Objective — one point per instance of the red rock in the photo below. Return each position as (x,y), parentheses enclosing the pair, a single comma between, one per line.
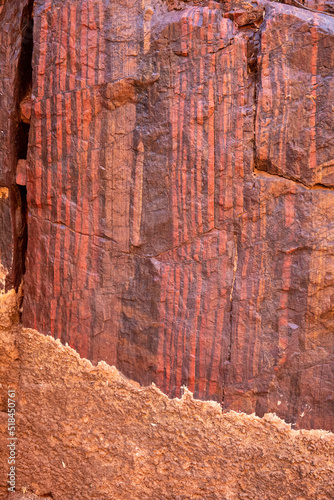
(303,151)
(10,16)
(179,188)
(25,108)
(21,173)
(86,432)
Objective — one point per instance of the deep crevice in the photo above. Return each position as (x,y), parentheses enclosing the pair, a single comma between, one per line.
(20,232)
(20,128)
(20,139)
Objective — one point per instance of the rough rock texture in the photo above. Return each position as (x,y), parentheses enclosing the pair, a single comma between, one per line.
(180,193)
(5,241)
(15,83)
(85,432)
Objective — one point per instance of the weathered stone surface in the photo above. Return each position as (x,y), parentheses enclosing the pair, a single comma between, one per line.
(26,496)
(15,83)
(294,120)
(21,173)
(179,187)
(9,44)
(85,432)
(319,5)
(6,244)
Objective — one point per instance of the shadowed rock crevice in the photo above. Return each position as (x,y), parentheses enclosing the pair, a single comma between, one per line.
(20,134)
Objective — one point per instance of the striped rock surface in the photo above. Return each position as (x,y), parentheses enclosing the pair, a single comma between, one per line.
(180,174)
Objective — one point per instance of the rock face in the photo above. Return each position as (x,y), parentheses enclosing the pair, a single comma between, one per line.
(15,83)
(179,197)
(85,432)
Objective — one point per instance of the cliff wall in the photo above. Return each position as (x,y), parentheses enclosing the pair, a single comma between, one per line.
(166,180)
(85,432)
